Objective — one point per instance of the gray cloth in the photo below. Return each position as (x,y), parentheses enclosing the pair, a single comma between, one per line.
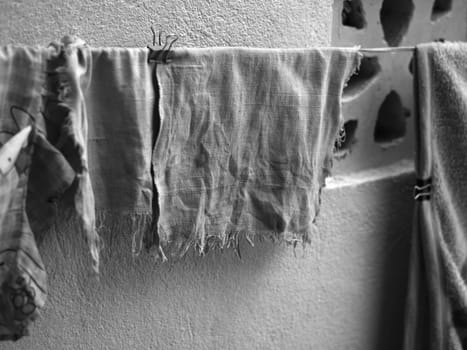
(121,105)
(437,296)
(245,143)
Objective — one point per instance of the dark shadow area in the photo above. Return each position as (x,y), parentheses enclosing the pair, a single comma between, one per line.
(440,8)
(394,273)
(391,125)
(344,145)
(367,73)
(395,16)
(353,14)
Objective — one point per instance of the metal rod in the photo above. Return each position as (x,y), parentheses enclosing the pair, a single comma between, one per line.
(387,49)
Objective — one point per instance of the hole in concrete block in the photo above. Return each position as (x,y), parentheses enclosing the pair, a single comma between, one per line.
(367,73)
(395,18)
(344,145)
(390,125)
(353,14)
(440,8)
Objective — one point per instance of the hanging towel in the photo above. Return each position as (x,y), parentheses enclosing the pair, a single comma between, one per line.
(437,297)
(245,143)
(121,103)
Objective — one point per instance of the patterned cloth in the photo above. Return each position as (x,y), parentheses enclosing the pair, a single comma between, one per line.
(41,87)
(22,275)
(246,142)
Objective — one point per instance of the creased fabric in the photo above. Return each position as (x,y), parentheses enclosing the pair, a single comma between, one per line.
(23,281)
(245,143)
(41,88)
(437,297)
(121,103)
(68,73)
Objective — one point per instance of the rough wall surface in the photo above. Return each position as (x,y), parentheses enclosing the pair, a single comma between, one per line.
(262,23)
(345,293)
(380,98)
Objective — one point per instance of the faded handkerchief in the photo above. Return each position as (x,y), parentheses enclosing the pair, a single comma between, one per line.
(246,142)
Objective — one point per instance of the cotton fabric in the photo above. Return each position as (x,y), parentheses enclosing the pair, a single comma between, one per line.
(41,87)
(437,295)
(23,282)
(121,105)
(245,143)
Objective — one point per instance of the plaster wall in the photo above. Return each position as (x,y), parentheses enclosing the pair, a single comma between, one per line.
(344,292)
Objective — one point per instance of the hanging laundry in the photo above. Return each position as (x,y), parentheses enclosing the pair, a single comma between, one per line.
(41,89)
(23,281)
(68,73)
(436,315)
(121,104)
(245,144)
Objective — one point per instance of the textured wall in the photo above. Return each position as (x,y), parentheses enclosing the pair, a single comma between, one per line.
(345,293)
(263,23)
(380,98)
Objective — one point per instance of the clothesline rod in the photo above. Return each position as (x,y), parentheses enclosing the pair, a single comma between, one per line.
(387,49)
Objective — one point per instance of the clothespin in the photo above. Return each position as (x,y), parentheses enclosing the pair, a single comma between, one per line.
(160,53)
(422,189)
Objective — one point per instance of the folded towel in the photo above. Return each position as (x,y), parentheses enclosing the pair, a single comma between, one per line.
(437,296)
(245,143)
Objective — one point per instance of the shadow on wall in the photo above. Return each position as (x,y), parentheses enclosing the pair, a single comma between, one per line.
(353,273)
(395,266)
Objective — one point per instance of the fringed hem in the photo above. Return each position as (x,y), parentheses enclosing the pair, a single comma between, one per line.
(176,250)
(137,227)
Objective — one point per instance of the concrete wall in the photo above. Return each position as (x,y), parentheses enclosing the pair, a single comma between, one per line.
(380,98)
(345,292)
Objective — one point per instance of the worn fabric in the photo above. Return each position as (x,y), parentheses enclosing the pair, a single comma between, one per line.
(23,284)
(41,87)
(121,103)
(245,143)
(68,74)
(23,281)
(437,295)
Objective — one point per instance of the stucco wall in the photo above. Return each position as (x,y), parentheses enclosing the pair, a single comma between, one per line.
(345,293)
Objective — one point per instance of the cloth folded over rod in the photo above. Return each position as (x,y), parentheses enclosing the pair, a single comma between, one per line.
(436,315)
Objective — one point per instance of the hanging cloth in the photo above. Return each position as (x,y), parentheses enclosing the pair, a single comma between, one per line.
(436,315)
(245,143)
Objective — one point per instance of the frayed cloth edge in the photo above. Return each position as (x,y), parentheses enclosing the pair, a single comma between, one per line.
(201,246)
